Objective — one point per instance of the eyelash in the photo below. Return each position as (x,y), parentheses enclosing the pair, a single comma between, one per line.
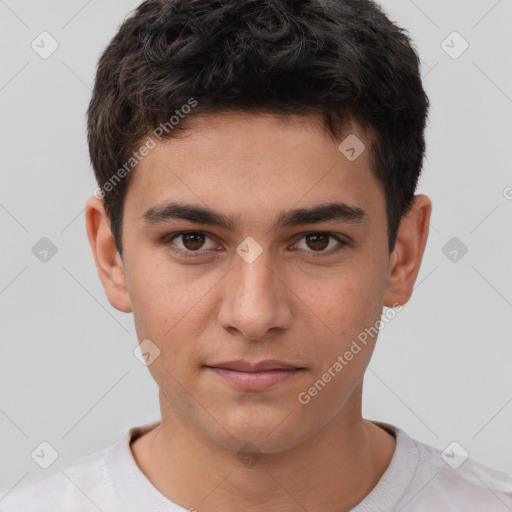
(167,239)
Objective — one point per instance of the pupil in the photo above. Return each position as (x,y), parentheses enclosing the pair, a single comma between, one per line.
(316,244)
(189,238)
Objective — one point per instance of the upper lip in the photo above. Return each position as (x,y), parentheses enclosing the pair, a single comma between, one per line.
(247,366)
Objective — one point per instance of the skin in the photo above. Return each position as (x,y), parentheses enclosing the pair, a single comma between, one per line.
(285,305)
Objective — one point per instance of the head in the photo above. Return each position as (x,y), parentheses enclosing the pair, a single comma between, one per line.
(247,116)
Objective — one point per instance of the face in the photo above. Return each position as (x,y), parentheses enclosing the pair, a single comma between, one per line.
(267,277)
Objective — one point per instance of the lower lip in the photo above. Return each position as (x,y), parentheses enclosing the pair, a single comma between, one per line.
(254,380)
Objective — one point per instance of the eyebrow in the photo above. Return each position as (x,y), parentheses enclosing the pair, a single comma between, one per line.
(336,211)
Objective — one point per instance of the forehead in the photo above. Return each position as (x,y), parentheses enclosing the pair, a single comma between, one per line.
(256,163)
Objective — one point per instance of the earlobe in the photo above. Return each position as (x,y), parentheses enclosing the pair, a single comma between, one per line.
(405,261)
(109,264)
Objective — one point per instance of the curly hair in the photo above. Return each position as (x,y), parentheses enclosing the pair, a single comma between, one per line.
(342,60)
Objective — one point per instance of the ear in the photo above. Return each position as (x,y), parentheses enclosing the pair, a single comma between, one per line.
(108,261)
(406,258)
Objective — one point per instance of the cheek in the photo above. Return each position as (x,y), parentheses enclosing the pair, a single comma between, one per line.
(164,296)
(345,300)
(171,309)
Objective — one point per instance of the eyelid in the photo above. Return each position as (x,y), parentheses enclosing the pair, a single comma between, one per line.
(166,239)
(342,243)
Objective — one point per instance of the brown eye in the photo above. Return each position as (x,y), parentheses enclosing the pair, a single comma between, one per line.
(193,241)
(189,243)
(317,241)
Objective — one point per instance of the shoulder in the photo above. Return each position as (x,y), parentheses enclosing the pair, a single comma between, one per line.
(423,478)
(451,480)
(80,486)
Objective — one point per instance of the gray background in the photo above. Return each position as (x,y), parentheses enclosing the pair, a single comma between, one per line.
(68,376)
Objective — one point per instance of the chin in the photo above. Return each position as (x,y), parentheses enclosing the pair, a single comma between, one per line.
(269,433)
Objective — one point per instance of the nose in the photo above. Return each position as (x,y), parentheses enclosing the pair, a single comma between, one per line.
(255,299)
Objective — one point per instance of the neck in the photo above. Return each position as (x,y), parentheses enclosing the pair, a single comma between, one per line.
(344,460)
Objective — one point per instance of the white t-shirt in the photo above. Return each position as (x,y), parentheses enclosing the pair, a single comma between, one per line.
(417,479)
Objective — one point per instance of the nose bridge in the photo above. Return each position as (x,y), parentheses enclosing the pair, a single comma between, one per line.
(254,276)
(253,300)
